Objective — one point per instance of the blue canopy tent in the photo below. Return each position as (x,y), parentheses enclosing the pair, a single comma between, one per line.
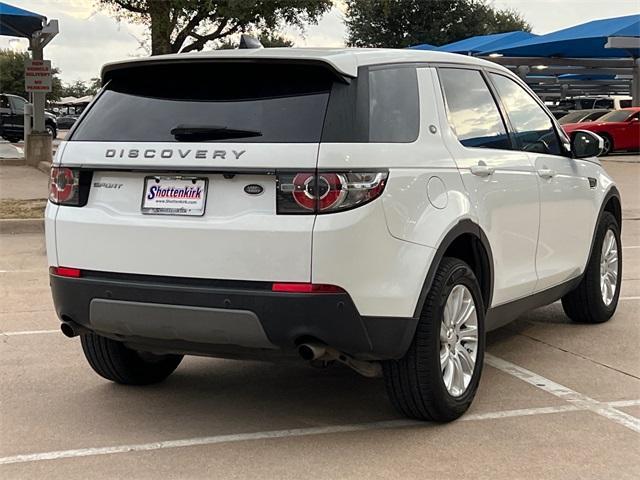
(609,47)
(16,22)
(479,43)
(424,46)
(582,41)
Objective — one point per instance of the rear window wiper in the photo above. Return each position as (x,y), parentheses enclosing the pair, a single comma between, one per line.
(194,133)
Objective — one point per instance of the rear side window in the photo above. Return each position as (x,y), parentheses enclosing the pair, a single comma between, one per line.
(381,105)
(603,103)
(223,102)
(18,105)
(472,111)
(394,108)
(534,130)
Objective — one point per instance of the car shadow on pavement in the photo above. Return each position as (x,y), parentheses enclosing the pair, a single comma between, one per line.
(208,396)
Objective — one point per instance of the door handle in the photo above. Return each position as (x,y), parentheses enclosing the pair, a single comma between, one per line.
(546,173)
(482,170)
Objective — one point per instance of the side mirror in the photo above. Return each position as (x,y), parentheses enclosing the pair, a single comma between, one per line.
(586,144)
(634,119)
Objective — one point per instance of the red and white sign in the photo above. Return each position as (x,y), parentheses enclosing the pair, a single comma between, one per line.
(37,75)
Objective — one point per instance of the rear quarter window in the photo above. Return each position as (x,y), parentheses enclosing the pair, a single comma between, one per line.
(381,105)
(394,107)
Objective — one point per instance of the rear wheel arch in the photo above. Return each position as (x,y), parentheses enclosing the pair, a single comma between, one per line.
(612,204)
(467,242)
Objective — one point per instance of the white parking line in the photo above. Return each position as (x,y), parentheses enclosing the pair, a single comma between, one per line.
(629,298)
(296,432)
(630,246)
(624,403)
(29,332)
(571,396)
(42,270)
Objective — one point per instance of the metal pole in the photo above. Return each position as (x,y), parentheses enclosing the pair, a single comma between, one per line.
(28,117)
(38,97)
(635,83)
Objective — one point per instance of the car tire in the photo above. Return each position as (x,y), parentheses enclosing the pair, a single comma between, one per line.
(416,383)
(116,362)
(51,130)
(608,144)
(590,302)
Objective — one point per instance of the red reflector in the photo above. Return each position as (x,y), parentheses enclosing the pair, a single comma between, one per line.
(66,272)
(305,288)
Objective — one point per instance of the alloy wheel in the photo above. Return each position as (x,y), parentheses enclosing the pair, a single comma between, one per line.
(609,267)
(458,340)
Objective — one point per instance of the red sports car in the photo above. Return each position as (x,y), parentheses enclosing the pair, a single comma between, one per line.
(620,129)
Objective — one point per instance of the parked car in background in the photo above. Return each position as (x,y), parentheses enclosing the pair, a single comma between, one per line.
(12,118)
(620,129)
(558,114)
(614,102)
(578,116)
(65,122)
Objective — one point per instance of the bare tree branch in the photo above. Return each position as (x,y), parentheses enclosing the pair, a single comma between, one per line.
(130,7)
(201,40)
(189,27)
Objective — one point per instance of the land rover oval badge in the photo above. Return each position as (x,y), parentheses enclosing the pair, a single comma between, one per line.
(254,189)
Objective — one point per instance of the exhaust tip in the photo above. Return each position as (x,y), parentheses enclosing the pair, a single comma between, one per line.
(68,330)
(306,352)
(312,351)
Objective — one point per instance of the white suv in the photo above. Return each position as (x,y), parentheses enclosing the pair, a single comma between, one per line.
(379,208)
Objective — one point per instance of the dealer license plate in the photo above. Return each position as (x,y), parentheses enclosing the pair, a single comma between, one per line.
(174,196)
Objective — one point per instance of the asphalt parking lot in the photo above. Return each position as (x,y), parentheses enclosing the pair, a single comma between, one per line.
(557,400)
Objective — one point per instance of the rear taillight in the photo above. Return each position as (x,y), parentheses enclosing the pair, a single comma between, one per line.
(305,288)
(66,272)
(327,192)
(68,186)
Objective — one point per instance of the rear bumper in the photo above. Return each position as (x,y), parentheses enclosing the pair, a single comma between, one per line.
(224,318)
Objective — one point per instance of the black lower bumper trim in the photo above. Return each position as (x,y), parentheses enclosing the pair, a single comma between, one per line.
(286,318)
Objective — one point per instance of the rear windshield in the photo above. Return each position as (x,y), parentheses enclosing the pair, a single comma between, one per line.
(573,117)
(223,102)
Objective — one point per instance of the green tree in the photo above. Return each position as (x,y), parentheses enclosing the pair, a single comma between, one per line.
(95,84)
(268,40)
(80,89)
(188,25)
(76,89)
(402,23)
(12,75)
(274,40)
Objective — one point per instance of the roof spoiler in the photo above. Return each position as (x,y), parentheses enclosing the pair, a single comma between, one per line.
(112,69)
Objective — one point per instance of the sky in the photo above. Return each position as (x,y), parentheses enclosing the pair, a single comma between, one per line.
(89,37)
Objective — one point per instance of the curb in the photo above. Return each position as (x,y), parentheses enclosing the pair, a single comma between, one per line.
(15,226)
(13,162)
(44,167)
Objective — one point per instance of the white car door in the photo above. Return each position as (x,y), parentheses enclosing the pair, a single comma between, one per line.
(500,180)
(568,208)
